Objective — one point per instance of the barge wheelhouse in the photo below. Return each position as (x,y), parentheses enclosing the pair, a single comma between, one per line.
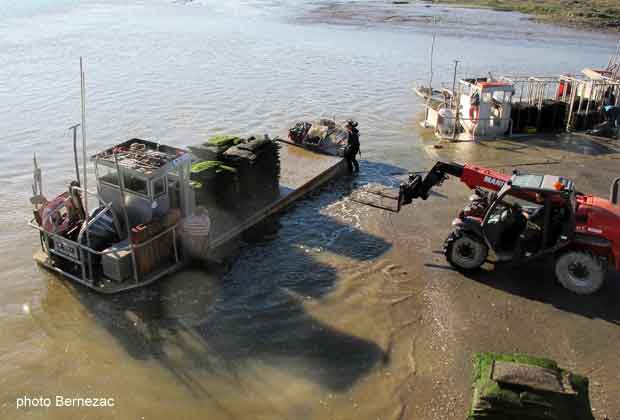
(131,237)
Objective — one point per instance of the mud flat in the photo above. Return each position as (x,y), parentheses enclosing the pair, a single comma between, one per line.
(504,19)
(595,14)
(505,310)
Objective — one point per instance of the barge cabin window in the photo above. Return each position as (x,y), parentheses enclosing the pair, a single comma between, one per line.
(109,176)
(159,187)
(135,184)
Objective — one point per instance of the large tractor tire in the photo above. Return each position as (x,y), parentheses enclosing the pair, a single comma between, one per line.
(465,251)
(580,272)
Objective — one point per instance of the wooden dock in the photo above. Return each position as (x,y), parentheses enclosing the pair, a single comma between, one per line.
(302,171)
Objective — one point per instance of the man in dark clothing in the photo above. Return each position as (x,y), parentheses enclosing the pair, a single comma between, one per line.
(610,109)
(353,146)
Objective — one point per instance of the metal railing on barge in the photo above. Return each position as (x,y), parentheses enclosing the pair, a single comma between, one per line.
(84,260)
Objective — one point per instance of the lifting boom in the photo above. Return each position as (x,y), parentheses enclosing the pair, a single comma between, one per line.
(470,175)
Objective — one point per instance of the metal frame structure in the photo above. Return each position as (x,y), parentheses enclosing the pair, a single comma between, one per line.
(77,253)
(592,91)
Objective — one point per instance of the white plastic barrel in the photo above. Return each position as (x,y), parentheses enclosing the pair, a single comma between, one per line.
(195,234)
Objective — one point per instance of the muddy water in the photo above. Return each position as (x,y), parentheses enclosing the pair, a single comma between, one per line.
(301,325)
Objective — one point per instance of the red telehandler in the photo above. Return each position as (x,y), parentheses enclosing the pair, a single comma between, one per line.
(521,217)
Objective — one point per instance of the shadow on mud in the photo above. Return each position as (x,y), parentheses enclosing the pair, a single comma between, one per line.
(251,309)
(573,143)
(519,151)
(536,281)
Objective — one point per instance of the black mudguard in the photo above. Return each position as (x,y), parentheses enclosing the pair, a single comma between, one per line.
(470,225)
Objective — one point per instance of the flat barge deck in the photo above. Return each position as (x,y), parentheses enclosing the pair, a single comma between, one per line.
(302,171)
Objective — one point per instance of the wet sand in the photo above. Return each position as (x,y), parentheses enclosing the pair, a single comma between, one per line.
(596,15)
(456,18)
(505,310)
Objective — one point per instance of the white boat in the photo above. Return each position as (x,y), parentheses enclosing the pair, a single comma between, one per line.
(489,107)
(481,108)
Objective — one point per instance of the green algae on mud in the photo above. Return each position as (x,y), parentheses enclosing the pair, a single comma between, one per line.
(594,14)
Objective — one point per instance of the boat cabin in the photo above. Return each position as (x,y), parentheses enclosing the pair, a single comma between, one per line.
(131,237)
(485,106)
(150,175)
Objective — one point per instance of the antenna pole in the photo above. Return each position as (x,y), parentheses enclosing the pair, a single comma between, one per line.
(615,65)
(456,118)
(37,186)
(84,162)
(430,81)
(614,57)
(456,65)
(430,78)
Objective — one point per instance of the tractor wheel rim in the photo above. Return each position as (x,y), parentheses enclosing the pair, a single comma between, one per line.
(465,253)
(579,272)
